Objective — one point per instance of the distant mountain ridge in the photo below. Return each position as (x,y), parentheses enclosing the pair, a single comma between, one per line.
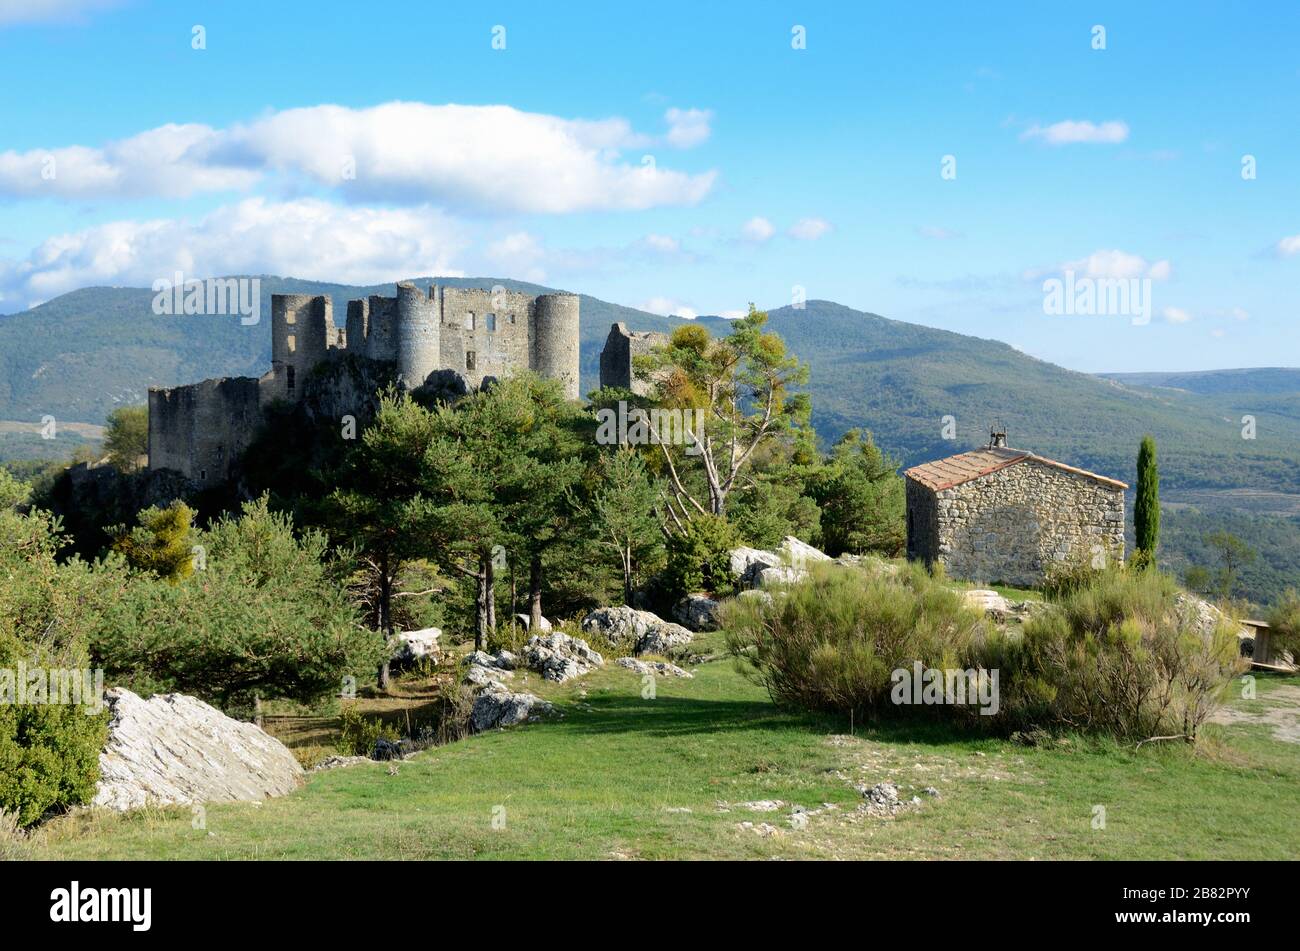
(79,355)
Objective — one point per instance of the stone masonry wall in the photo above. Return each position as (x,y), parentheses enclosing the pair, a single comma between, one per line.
(1011,525)
(922,523)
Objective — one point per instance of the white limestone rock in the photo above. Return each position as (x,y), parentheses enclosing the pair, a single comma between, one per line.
(559,657)
(642,632)
(175,749)
(658,667)
(496,707)
(418,645)
(698,612)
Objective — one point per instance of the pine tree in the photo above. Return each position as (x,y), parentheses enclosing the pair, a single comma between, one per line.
(1146,508)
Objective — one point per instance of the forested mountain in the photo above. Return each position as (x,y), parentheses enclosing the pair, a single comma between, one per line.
(78,356)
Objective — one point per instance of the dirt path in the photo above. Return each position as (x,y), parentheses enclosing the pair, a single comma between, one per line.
(1282,713)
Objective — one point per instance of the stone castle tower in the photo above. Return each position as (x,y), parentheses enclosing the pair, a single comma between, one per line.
(201,429)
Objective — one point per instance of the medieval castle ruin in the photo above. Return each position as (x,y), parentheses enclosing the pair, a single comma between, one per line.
(201,429)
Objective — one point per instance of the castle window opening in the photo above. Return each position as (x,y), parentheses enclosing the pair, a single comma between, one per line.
(490,323)
(469,321)
(510,318)
(470,360)
(289,378)
(292,342)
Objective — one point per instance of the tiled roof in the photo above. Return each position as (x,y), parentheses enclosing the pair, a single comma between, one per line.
(965,466)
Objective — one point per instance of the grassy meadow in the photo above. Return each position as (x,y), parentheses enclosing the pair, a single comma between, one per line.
(621,776)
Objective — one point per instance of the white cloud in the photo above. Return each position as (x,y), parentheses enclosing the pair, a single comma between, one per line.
(938,234)
(519,255)
(492,158)
(757,229)
(1288,246)
(809,229)
(1108,263)
(667,307)
(305,238)
(661,243)
(50,11)
(165,162)
(1176,315)
(1240,313)
(687,128)
(1073,131)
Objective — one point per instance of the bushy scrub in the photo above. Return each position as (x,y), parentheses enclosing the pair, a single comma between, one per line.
(1121,654)
(49,751)
(263,616)
(833,642)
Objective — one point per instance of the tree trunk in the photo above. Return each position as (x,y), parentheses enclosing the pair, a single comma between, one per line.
(535,594)
(490,570)
(480,605)
(514,597)
(257,709)
(627,576)
(385,619)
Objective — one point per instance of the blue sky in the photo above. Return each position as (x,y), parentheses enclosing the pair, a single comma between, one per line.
(681,157)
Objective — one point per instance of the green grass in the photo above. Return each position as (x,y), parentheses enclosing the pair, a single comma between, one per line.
(624,777)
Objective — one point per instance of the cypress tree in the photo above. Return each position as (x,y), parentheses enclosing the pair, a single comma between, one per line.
(1146,508)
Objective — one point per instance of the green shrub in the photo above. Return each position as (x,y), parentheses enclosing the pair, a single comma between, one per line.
(1284,623)
(1122,655)
(49,752)
(264,616)
(699,559)
(359,733)
(832,642)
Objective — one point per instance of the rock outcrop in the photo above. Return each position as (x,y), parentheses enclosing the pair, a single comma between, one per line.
(789,563)
(496,706)
(559,657)
(653,667)
(639,631)
(698,612)
(174,749)
(418,645)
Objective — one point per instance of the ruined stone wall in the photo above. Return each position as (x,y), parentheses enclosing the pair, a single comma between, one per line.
(302,335)
(1011,525)
(200,430)
(621,347)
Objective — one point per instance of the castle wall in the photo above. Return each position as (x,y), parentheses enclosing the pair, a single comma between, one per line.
(302,334)
(200,430)
(485,334)
(1011,525)
(621,347)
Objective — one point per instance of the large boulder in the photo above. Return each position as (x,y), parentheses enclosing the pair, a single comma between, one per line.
(495,706)
(749,565)
(746,563)
(418,645)
(641,632)
(800,554)
(526,622)
(174,749)
(559,657)
(698,612)
(781,576)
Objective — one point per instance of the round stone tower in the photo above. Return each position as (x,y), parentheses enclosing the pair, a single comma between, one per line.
(419,334)
(555,340)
